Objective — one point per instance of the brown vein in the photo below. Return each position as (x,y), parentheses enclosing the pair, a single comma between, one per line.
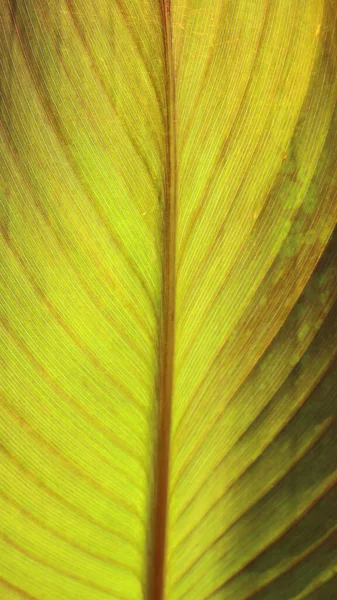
(223,347)
(332,484)
(52,566)
(64,146)
(215,169)
(89,418)
(41,443)
(31,476)
(63,248)
(156,574)
(16,589)
(99,78)
(85,550)
(296,562)
(329,423)
(68,330)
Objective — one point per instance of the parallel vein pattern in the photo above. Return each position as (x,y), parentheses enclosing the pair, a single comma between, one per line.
(168,211)
(253,462)
(82,146)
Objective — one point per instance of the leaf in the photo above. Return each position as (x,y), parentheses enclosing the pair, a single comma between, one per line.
(168,396)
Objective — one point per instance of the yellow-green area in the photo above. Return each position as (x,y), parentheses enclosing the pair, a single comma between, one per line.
(84,144)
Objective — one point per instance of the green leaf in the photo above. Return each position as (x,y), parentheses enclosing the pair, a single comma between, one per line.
(169,335)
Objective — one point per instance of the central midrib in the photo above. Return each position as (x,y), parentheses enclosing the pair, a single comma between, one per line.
(157,556)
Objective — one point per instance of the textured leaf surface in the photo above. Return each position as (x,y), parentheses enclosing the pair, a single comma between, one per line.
(169,335)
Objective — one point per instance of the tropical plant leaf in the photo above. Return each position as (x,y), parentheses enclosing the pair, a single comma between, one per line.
(168,398)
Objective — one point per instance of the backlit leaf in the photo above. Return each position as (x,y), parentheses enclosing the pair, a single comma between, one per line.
(168,316)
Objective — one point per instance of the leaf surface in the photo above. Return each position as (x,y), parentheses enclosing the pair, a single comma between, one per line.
(168,259)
